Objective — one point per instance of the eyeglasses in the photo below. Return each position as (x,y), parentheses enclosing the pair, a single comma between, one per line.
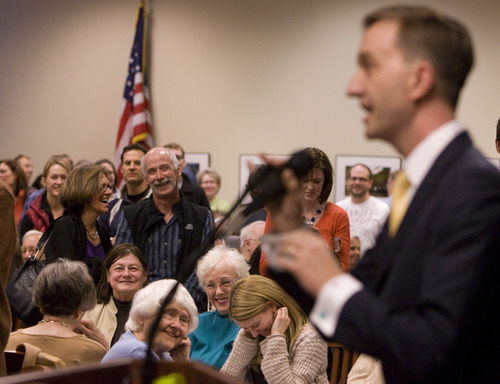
(105,187)
(224,285)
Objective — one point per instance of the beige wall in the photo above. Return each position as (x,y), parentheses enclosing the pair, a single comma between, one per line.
(227,77)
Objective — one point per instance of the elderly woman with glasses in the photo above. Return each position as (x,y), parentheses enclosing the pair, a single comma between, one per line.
(212,341)
(170,341)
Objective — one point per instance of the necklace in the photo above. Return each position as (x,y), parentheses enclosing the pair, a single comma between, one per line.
(54,321)
(94,236)
(312,221)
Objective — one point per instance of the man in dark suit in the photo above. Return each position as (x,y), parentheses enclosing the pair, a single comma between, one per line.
(425,300)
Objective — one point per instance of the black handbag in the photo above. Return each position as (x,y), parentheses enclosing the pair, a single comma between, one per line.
(19,288)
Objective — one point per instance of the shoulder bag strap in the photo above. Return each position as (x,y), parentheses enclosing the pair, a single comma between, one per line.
(37,253)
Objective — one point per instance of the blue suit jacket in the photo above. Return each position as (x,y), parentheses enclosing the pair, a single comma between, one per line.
(430,306)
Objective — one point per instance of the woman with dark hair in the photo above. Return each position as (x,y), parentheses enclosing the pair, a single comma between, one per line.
(13,175)
(77,234)
(63,291)
(328,218)
(26,165)
(125,272)
(276,343)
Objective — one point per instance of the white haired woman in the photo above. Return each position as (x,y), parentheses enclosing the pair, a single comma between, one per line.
(170,341)
(212,341)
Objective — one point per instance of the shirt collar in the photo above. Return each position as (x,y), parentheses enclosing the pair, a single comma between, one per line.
(420,160)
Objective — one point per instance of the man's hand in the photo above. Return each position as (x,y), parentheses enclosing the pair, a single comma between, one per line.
(306,256)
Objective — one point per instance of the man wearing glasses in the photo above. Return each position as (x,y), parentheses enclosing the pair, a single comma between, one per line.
(367,214)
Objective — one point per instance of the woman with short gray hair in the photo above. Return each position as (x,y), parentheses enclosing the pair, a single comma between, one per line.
(63,291)
(212,341)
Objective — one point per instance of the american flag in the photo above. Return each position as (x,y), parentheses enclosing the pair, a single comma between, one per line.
(135,121)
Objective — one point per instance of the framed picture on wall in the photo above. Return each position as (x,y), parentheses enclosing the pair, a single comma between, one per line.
(247,162)
(381,167)
(197,161)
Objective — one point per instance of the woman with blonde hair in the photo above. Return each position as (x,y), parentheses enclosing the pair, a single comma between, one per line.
(45,208)
(77,234)
(210,180)
(276,343)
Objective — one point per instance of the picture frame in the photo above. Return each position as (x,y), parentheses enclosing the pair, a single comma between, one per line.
(254,160)
(381,167)
(197,161)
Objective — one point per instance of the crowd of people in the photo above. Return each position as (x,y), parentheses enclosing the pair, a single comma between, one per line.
(128,245)
(416,295)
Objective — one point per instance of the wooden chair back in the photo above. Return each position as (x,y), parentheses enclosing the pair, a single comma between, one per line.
(343,360)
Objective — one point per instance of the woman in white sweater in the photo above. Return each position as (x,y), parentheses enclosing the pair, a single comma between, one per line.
(276,343)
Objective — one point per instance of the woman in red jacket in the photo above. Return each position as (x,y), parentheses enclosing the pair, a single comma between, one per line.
(46,207)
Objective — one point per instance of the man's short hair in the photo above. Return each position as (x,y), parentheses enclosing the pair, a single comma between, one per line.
(175,146)
(428,34)
(171,156)
(131,147)
(370,174)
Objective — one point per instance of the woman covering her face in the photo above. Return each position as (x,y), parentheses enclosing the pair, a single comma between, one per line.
(276,343)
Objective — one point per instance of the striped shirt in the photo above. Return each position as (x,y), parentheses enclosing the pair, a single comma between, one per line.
(163,246)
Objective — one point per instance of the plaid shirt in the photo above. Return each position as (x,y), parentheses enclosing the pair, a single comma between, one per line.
(163,246)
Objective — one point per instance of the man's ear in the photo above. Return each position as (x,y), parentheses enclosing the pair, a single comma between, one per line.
(422,80)
(246,242)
